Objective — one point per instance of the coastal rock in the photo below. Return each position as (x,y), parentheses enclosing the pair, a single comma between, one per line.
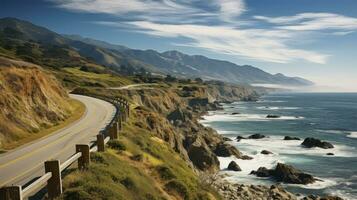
(203,158)
(273,116)
(313,142)
(262,172)
(238,138)
(235,113)
(291,138)
(256,136)
(234,166)
(226,150)
(227,139)
(285,173)
(314,197)
(330,154)
(266,152)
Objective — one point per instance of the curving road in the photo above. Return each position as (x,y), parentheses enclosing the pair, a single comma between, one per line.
(27,162)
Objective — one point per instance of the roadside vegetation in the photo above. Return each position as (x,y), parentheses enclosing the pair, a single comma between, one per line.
(138,165)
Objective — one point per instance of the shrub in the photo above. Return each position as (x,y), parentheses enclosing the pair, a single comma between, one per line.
(179,188)
(165,172)
(117,145)
(137,157)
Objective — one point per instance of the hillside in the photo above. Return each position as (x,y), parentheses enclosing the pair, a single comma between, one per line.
(31,100)
(42,46)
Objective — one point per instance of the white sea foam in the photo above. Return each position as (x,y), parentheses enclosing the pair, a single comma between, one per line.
(244,117)
(352,134)
(276,108)
(276,144)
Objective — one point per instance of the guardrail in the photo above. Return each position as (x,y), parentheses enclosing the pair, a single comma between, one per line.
(52,179)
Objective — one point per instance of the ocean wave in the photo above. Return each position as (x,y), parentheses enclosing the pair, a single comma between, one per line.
(352,134)
(276,108)
(278,145)
(244,117)
(270,101)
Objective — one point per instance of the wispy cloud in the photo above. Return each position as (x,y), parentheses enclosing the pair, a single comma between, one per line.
(257,44)
(216,25)
(313,22)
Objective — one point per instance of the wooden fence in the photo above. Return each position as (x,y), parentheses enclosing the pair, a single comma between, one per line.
(52,179)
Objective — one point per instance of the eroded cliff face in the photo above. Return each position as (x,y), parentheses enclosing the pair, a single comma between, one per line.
(30,99)
(173,113)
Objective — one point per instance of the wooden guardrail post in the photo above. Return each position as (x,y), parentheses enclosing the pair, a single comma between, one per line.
(100,143)
(84,160)
(113,131)
(119,123)
(11,193)
(128,109)
(54,184)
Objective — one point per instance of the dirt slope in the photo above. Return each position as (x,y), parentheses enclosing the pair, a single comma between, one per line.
(30,100)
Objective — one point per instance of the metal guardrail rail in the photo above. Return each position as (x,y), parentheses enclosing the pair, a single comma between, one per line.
(52,177)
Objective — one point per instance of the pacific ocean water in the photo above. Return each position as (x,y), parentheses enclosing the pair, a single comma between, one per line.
(329,117)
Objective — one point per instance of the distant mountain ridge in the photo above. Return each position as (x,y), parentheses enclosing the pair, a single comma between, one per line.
(170,62)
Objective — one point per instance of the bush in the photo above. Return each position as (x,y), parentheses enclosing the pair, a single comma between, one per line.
(165,172)
(128,183)
(178,187)
(137,157)
(117,145)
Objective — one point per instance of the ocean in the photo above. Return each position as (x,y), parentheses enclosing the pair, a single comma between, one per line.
(330,117)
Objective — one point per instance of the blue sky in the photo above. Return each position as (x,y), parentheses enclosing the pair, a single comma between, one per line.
(315,39)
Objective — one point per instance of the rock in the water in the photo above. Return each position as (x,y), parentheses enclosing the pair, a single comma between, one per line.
(314,197)
(330,154)
(256,136)
(291,138)
(240,138)
(226,150)
(285,173)
(234,166)
(266,152)
(273,116)
(227,139)
(313,142)
(235,113)
(262,172)
(288,174)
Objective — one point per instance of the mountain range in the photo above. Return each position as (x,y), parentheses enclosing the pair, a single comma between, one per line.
(40,44)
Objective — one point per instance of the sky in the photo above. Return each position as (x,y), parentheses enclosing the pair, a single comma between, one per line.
(314,39)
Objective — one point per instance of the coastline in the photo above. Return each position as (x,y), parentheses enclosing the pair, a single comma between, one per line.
(228,186)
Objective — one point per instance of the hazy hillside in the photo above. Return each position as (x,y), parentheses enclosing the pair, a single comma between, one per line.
(42,46)
(30,100)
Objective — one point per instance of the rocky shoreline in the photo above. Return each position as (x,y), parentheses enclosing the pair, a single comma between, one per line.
(282,173)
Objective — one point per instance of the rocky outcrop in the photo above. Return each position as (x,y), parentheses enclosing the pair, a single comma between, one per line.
(256,136)
(239,138)
(313,142)
(231,191)
(233,166)
(266,152)
(203,158)
(291,138)
(272,116)
(286,174)
(227,150)
(315,197)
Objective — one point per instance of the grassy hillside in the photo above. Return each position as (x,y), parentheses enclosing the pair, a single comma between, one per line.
(32,101)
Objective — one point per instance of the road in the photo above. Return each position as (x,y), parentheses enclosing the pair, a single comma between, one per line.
(25,163)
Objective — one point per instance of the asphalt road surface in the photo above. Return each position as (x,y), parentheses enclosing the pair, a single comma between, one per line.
(25,163)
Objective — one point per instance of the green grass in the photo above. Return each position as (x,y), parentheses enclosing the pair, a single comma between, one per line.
(159,173)
(73,76)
